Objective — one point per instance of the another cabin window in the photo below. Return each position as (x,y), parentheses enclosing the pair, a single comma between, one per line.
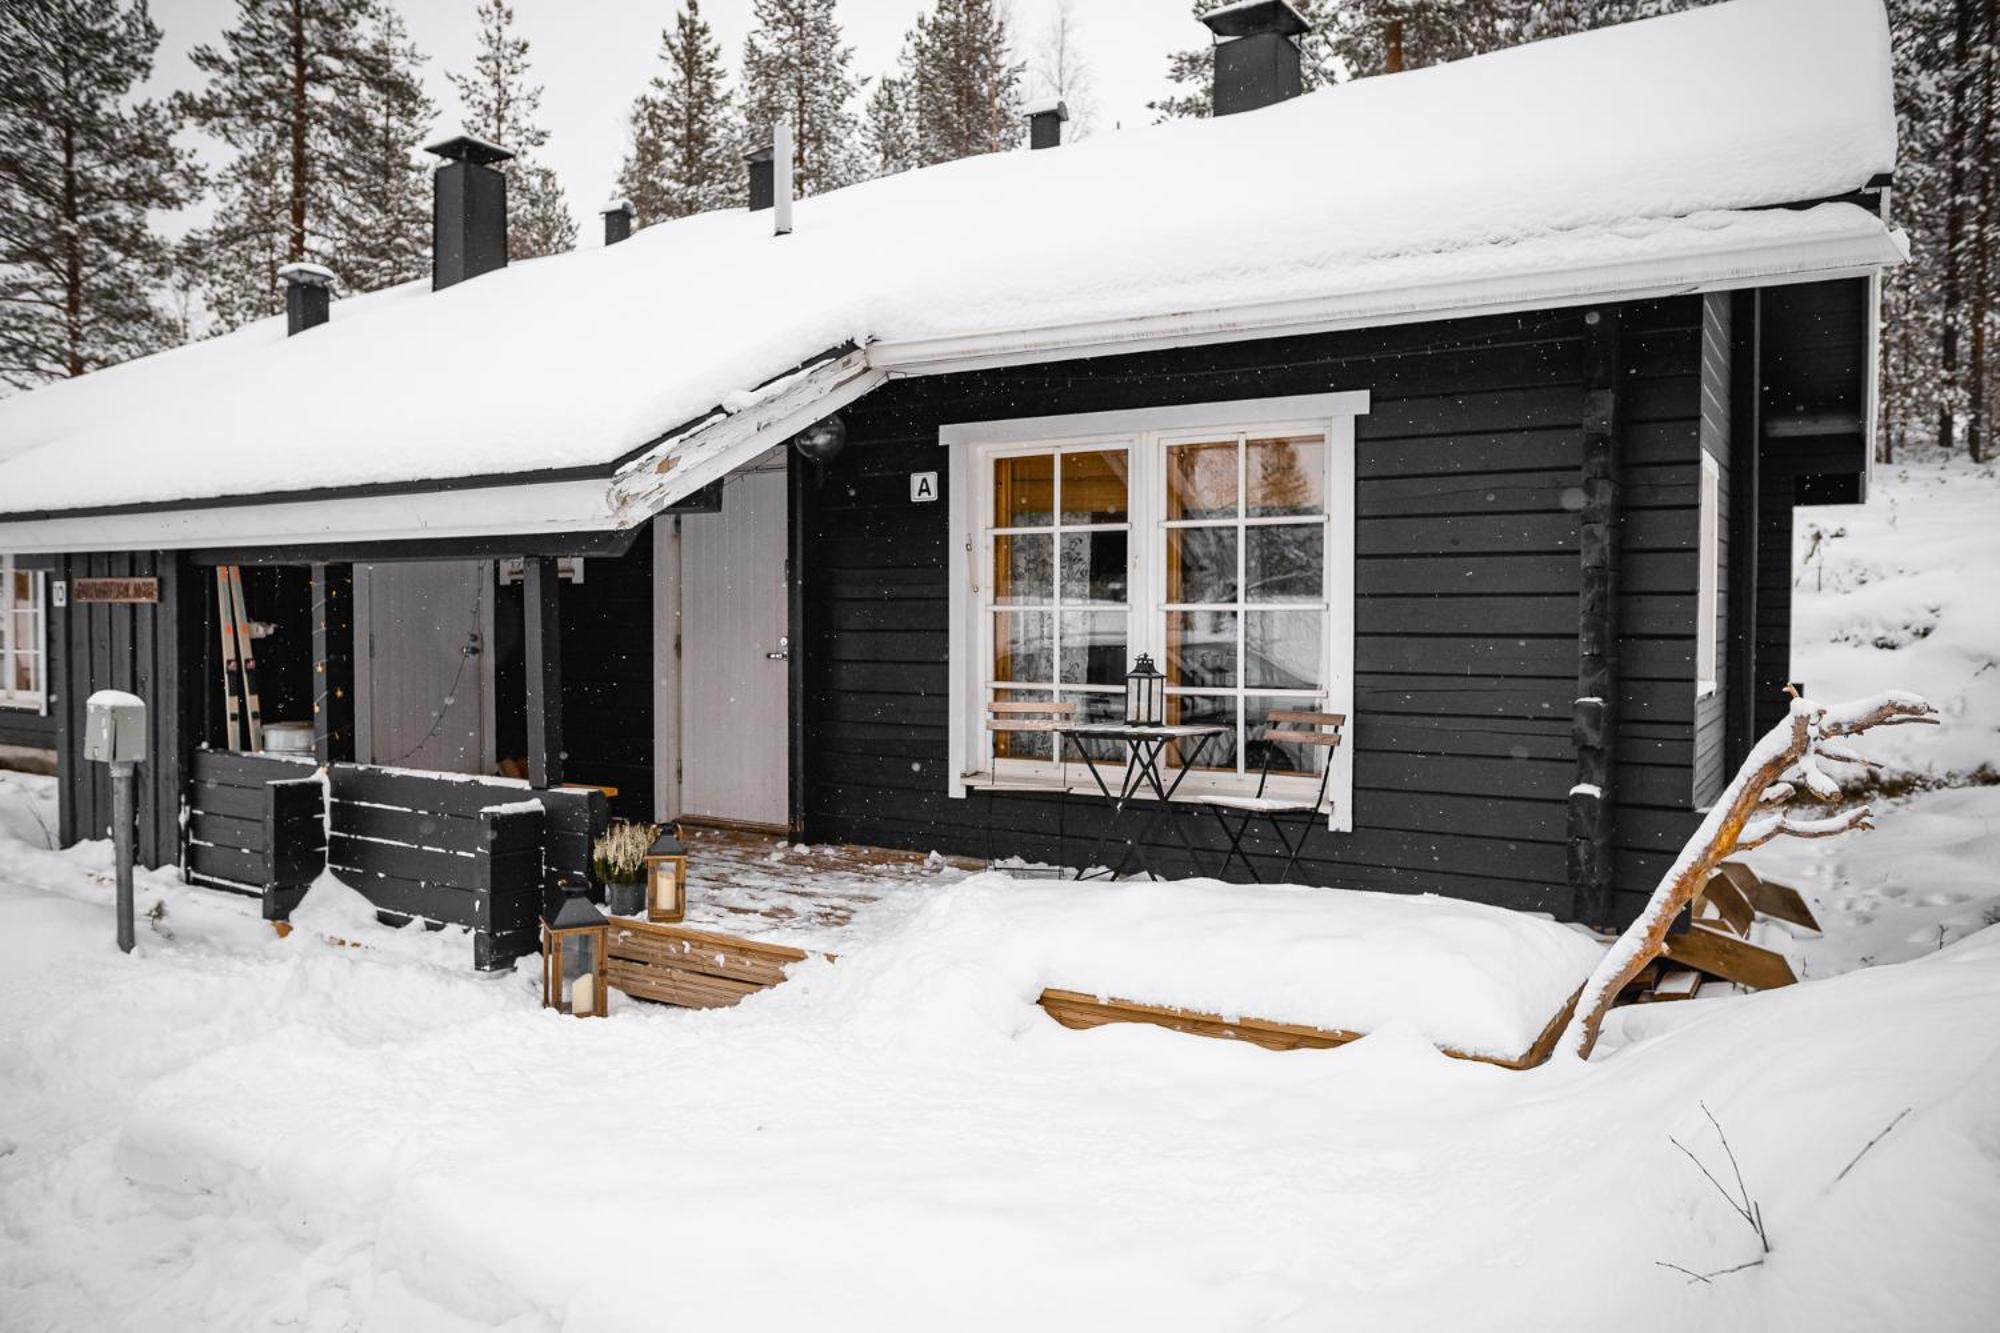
(1707,637)
(1221,547)
(23,657)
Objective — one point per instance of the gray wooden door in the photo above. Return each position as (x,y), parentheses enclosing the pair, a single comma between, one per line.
(735,697)
(423,680)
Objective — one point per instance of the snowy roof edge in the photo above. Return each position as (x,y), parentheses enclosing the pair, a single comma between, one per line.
(1848,241)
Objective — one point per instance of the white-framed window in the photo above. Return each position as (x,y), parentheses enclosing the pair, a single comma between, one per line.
(1216,538)
(1707,635)
(23,645)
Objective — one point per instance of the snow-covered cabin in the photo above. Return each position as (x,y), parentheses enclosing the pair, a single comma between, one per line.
(1473,403)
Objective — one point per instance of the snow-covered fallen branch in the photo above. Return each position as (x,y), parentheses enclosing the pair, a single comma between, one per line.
(1787,763)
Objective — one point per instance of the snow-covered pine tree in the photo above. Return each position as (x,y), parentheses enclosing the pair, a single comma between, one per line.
(794,61)
(383,231)
(686,141)
(500,105)
(80,270)
(888,129)
(288,90)
(964,87)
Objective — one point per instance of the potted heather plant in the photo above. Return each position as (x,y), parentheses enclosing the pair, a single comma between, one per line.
(619,858)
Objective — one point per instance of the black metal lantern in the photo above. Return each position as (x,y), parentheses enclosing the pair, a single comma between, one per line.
(573,949)
(1145,694)
(666,879)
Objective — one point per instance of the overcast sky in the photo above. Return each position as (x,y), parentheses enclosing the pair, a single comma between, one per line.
(594,56)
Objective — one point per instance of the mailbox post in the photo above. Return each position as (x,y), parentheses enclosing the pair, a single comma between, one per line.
(115,734)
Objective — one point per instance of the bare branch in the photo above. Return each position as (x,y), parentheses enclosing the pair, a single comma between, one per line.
(1764,831)
(1871,1143)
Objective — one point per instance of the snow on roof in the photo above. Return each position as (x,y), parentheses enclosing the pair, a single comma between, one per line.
(1642,148)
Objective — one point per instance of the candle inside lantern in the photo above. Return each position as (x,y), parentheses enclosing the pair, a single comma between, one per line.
(583,994)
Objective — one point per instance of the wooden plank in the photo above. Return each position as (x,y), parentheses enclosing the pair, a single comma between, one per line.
(436,793)
(669,986)
(410,828)
(543,635)
(1731,909)
(1075,1009)
(233,802)
(1729,958)
(246,770)
(715,940)
(230,863)
(685,956)
(1780,901)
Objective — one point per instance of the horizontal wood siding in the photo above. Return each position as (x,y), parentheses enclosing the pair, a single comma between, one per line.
(24,726)
(152,650)
(1466,587)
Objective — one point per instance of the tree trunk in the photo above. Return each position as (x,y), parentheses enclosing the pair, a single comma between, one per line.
(1956,78)
(296,248)
(1392,55)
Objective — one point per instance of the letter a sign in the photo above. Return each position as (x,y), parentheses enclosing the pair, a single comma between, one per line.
(923,487)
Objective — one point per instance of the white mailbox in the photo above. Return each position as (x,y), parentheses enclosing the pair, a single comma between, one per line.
(114,728)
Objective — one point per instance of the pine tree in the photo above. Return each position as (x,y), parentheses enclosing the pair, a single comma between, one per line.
(888,129)
(383,233)
(500,107)
(964,91)
(793,61)
(289,90)
(81,273)
(685,138)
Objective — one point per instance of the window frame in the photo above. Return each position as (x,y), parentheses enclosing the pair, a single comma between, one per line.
(1708,579)
(37,699)
(1145,434)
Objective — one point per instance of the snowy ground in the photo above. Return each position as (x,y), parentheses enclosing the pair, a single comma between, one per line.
(230,1131)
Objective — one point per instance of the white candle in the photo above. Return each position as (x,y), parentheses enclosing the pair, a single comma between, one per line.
(583,994)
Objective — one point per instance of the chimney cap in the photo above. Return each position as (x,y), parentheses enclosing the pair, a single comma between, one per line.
(469,148)
(758,155)
(618,205)
(1246,18)
(307,275)
(1047,106)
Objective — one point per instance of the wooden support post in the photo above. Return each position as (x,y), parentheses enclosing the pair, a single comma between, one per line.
(543,634)
(333,662)
(1594,722)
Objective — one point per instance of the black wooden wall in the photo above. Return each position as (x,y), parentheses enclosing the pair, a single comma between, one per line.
(153,651)
(24,726)
(607,695)
(1466,588)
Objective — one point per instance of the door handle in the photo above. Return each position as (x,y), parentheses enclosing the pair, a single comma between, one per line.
(780,656)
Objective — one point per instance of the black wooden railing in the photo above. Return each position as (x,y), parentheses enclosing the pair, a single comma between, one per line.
(254,826)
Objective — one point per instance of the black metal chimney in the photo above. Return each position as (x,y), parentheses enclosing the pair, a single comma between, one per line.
(1256,54)
(763,187)
(617,221)
(469,215)
(1045,122)
(308,289)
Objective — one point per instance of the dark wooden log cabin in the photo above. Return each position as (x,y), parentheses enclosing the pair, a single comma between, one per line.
(1537,552)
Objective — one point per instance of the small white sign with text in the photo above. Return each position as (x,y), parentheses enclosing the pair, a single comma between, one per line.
(923,487)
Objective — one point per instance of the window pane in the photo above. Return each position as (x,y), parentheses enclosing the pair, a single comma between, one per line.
(1024,646)
(1284,758)
(1024,570)
(1286,476)
(1201,649)
(1284,563)
(1093,566)
(1204,710)
(1201,481)
(1201,564)
(1281,649)
(22,637)
(1093,487)
(24,587)
(1098,708)
(1024,491)
(1093,648)
(1022,744)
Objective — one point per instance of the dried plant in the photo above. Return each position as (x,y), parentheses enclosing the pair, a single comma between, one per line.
(619,854)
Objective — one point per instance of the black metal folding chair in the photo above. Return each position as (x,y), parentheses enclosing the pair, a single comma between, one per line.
(1237,813)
